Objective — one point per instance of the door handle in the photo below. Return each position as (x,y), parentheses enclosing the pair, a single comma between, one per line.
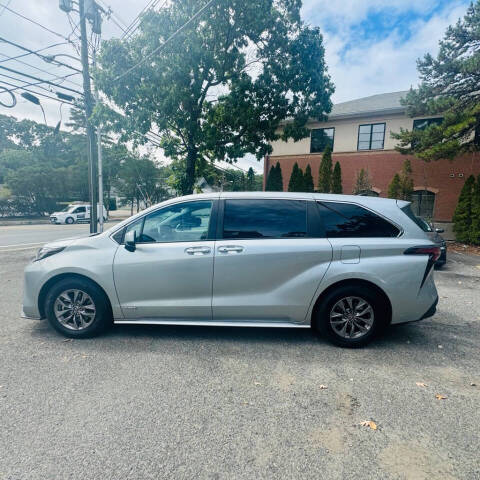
(198,250)
(230,248)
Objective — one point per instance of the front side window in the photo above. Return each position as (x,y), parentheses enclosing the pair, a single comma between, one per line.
(371,137)
(254,219)
(183,222)
(422,124)
(347,220)
(320,138)
(79,210)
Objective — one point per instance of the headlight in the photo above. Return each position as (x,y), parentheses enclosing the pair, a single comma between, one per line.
(45,252)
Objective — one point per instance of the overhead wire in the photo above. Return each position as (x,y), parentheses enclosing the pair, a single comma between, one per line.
(36,93)
(173,35)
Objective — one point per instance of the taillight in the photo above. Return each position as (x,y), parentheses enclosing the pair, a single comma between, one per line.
(431,250)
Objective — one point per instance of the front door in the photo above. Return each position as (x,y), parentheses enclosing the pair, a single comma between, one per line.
(169,275)
(267,263)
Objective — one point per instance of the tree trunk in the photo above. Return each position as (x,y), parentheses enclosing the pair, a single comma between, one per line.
(190,170)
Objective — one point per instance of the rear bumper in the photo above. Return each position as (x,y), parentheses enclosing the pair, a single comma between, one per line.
(431,311)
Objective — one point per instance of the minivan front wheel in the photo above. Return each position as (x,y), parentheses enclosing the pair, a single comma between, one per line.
(77,308)
(350,316)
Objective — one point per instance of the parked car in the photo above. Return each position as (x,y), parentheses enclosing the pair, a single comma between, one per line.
(434,235)
(76,213)
(347,266)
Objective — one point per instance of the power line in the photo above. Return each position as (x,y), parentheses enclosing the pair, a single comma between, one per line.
(34,22)
(136,21)
(8,3)
(35,93)
(43,81)
(32,52)
(185,25)
(42,70)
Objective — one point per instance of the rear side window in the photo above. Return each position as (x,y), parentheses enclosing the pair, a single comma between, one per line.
(249,219)
(348,220)
(407,210)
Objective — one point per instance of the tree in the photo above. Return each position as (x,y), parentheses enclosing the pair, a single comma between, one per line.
(296,183)
(449,87)
(462,218)
(325,171)
(363,183)
(401,186)
(223,86)
(337,179)
(250,185)
(394,188)
(308,180)
(475,226)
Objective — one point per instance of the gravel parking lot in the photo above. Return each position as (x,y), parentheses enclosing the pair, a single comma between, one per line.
(185,402)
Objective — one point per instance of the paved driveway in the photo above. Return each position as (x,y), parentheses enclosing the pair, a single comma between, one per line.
(185,402)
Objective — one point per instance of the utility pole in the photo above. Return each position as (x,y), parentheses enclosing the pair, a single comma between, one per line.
(92,172)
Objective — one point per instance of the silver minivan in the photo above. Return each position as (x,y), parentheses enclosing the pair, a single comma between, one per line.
(347,266)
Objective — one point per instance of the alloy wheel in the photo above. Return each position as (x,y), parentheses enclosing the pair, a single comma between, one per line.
(74,309)
(351,317)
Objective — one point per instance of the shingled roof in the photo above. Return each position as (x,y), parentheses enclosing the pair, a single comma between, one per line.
(384,103)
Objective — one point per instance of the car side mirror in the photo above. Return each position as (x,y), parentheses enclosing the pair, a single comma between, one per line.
(130,240)
(439,230)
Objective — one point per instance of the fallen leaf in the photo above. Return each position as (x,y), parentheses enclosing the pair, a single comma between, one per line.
(322,387)
(421,384)
(67,340)
(440,397)
(369,423)
(440,346)
(472,384)
(84,356)
(258,384)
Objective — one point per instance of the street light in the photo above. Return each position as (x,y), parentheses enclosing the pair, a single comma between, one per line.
(33,99)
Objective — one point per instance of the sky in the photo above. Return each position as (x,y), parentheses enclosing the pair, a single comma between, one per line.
(371,46)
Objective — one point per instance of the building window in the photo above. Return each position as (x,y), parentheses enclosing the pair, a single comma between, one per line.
(320,138)
(371,137)
(422,124)
(423,202)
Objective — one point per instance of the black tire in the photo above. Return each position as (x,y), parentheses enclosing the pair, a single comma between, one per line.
(321,321)
(69,220)
(103,315)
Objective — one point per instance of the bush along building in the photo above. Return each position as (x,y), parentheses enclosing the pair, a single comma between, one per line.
(358,134)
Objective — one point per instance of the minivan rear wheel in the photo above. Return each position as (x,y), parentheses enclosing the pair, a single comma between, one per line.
(350,316)
(77,308)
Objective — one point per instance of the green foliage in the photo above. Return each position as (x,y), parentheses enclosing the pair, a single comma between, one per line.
(308,180)
(325,171)
(449,87)
(177,94)
(401,186)
(363,183)
(337,179)
(275,179)
(462,218)
(475,226)
(296,183)
(251,184)
(394,187)
(41,168)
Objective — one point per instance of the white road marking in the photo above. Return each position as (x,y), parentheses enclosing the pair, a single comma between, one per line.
(22,245)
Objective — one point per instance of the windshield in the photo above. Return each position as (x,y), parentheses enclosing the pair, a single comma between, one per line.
(423,224)
(69,209)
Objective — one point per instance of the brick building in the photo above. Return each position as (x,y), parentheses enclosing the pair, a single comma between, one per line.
(359,133)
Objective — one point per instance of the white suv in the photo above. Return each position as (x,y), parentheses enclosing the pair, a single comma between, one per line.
(76,213)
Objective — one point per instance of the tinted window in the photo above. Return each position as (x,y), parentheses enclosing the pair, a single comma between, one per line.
(349,220)
(79,210)
(245,219)
(425,226)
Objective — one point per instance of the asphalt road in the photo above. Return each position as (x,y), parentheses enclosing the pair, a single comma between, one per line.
(187,402)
